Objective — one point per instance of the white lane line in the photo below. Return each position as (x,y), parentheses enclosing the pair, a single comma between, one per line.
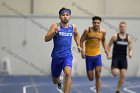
(130,91)
(24,88)
(33,83)
(30,86)
(93,89)
(74,85)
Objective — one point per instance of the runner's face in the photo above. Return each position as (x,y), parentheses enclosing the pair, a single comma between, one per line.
(96,24)
(122,28)
(64,18)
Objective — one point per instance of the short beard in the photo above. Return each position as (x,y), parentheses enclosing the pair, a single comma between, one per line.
(96,29)
(64,22)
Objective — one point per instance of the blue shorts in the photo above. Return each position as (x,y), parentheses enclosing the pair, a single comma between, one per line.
(92,62)
(60,63)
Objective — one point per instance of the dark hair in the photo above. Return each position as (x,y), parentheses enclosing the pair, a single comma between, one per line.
(63,8)
(96,18)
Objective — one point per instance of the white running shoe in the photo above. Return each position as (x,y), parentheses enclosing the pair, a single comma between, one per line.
(60,84)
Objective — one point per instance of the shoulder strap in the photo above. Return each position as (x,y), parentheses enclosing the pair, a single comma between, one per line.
(89,29)
(117,36)
(58,24)
(127,36)
(70,25)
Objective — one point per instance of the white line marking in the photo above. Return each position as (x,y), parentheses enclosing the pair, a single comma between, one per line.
(36,85)
(74,85)
(33,83)
(29,86)
(24,88)
(93,89)
(130,91)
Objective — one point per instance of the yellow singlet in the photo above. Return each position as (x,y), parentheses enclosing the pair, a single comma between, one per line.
(92,45)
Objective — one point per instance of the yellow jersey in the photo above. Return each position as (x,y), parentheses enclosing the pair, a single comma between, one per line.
(92,44)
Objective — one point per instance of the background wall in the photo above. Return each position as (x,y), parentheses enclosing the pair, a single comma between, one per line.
(23,25)
(51,7)
(22,39)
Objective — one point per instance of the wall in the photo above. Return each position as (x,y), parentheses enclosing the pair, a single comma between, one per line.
(22,41)
(96,7)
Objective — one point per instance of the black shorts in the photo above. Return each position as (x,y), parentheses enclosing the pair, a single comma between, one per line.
(119,62)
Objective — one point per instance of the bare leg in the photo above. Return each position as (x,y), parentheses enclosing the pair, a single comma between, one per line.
(121,79)
(67,82)
(90,75)
(98,80)
(115,71)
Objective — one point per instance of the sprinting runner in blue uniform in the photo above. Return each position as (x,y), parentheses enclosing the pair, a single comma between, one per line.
(61,54)
(62,34)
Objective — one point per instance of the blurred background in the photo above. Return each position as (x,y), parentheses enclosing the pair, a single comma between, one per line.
(24,23)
